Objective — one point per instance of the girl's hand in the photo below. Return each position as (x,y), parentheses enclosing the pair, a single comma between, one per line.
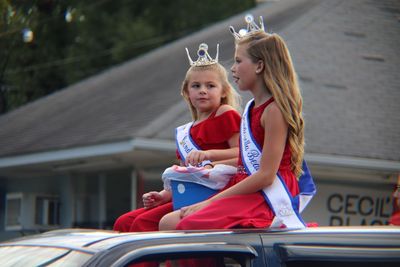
(196,157)
(152,199)
(186,211)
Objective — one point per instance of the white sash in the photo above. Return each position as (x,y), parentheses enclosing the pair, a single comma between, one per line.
(185,143)
(286,208)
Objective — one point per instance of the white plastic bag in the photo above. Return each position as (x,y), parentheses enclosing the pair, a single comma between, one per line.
(215,178)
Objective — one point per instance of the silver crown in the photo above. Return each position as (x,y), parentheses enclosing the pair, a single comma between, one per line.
(252,28)
(204,58)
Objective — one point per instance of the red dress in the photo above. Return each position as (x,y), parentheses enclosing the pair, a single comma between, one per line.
(251,210)
(395,218)
(212,133)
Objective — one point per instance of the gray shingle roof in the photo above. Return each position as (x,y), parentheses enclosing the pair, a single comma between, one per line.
(346,54)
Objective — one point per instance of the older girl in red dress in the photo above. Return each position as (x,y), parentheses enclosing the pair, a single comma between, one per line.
(272,142)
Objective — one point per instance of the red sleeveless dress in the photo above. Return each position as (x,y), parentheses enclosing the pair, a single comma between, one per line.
(215,131)
(212,133)
(251,210)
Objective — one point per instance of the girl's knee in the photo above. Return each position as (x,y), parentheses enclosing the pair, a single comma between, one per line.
(123,222)
(169,221)
(120,224)
(144,223)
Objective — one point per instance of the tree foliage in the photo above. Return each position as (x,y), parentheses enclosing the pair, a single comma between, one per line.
(75,39)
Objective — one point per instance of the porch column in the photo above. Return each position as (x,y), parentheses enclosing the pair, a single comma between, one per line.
(67,199)
(134,179)
(102,200)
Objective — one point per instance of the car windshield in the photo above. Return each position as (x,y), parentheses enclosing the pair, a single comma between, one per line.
(43,256)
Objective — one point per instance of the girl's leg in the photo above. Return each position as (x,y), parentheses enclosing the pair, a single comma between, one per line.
(251,211)
(124,222)
(149,220)
(170,221)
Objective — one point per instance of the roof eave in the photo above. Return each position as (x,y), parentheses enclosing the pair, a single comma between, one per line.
(88,151)
(169,146)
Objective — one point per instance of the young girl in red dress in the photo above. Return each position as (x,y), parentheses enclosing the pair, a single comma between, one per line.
(215,132)
(271,144)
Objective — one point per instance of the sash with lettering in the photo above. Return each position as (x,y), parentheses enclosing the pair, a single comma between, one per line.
(286,208)
(185,143)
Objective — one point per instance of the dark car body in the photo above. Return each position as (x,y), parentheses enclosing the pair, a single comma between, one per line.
(319,246)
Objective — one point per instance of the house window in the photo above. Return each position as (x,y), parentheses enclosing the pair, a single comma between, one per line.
(47,211)
(13,211)
(31,211)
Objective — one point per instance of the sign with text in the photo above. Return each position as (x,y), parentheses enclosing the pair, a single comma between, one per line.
(350,204)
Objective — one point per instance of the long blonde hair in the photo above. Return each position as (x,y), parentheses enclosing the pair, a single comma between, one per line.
(231,97)
(281,80)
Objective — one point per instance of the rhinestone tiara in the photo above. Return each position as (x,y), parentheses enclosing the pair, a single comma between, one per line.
(204,58)
(252,27)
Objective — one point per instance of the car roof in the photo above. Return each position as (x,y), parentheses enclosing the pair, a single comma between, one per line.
(96,240)
(92,239)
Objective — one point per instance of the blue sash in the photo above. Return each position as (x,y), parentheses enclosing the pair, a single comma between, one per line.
(185,143)
(286,208)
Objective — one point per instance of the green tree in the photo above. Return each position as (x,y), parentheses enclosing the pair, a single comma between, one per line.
(74,39)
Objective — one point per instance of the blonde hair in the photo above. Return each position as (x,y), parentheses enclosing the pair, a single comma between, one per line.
(281,80)
(231,98)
